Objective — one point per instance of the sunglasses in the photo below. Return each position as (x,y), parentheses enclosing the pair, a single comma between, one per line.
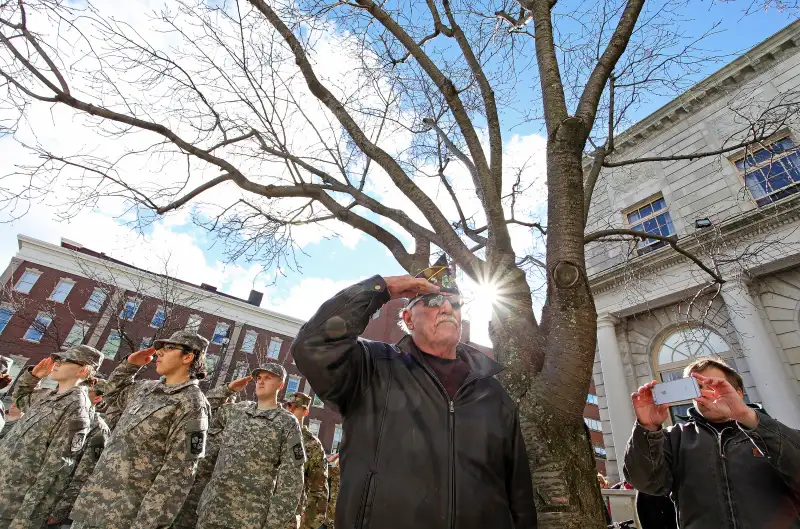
(437,300)
(173,347)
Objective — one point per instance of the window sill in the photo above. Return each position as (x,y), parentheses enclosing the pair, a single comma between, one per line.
(31,341)
(91,310)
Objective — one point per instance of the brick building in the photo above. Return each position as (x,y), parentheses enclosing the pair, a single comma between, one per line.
(56,296)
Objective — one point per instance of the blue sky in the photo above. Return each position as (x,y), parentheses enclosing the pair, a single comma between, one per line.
(325,263)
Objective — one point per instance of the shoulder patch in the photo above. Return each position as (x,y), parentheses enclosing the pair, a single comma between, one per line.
(78,439)
(196,443)
(297,449)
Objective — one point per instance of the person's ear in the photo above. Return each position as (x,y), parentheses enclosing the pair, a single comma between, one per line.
(306,413)
(83,372)
(188,359)
(740,391)
(407,320)
(96,399)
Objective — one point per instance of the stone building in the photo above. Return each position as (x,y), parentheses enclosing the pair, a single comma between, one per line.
(738,211)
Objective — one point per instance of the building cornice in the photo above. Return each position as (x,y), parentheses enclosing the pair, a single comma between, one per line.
(733,76)
(732,231)
(46,254)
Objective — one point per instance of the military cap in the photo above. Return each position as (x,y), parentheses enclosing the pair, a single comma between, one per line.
(441,275)
(5,364)
(189,339)
(82,354)
(271,367)
(299,399)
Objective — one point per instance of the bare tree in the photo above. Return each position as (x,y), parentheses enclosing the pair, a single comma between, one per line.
(262,136)
(48,322)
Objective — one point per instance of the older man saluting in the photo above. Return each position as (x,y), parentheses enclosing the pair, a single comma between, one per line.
(431,439)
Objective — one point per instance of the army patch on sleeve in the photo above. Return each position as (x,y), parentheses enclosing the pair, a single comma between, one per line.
(196,442)
(298,452)
(78,438)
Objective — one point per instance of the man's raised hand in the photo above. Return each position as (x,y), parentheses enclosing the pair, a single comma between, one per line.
(649,414)
(143,357)
(409,287)
(43,368)
(239,384)
(718,394)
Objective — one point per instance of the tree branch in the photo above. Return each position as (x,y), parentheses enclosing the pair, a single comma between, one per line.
(672,241)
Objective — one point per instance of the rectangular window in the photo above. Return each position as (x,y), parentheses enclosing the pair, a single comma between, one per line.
(193,325)
(771,172)
(318,402)
(242,367)
(26,282)
(96,300)
(220,332)
(211,364)
(653,218)
(293,385)
(313,427)
(274,350)
(76,335)
(159,318)
(337,438)
(130,310)
(146,342)
(593,424)
(6,312)
(592,399)
(62,290)
(112,344)
(249,342)
(38,327)
(599,451)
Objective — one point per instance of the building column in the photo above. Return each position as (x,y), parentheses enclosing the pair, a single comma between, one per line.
(766,365)
(618,397)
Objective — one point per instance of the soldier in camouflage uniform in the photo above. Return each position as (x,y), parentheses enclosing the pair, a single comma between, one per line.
(96,442)
(261,445)
(311,510)
(333,488)
(149,463)
(39,454)
(187,518)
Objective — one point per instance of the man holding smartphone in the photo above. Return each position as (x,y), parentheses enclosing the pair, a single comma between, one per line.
(730,465)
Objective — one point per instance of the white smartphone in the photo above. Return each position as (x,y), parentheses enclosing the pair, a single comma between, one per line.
(676,390)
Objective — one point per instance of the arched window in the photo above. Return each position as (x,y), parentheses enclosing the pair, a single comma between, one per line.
(682,347)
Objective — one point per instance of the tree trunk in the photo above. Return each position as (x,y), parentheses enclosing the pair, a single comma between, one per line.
(550,366)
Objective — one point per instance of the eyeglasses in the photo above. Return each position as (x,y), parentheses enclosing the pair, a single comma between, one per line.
(173,347)
(437,300)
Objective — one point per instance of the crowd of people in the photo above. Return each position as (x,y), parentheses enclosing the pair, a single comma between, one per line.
(431,438)
(123,452)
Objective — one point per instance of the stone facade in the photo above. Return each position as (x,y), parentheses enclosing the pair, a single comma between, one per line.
(657,310)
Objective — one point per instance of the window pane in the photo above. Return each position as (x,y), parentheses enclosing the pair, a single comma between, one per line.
(684,345)
(129,312)
(633,217)
(211,364)
(313,427)
(96,300)
(249,342)
(242,367)
(659,204)
(76,334)
(5,316)
(38,327)
(62,290)
(274,350)
(318,402)
(646,211)
(293,385)
(159,318)
(112,345)
(650,226)
(220,333)
(26,282)
(146,342)
(193,324)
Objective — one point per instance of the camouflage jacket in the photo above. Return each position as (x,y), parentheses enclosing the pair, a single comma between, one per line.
(39,454)
(97,439)
(258,449)
(333,487)
(149,462)
(315,489)
(187,518)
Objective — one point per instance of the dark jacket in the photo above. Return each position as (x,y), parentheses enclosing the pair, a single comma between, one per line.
(411,457)
(736,478)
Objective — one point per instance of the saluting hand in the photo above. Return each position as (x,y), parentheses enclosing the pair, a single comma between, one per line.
(649,414)
(409,287)
(43,368)
(143,357)
(239,384)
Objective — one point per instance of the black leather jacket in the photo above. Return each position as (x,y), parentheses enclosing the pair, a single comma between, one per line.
(733,479)
(411,457)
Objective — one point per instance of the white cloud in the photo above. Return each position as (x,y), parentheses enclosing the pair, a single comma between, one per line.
(305,297)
